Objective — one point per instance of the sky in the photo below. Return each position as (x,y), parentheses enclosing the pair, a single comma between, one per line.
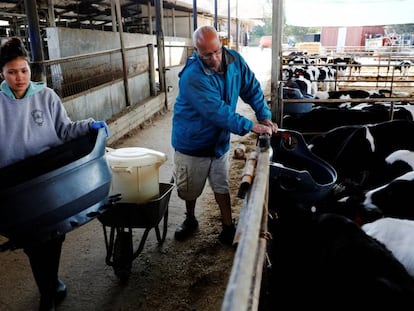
(314,13)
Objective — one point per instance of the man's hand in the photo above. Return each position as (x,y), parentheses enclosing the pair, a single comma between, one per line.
(262,129)
(270,124)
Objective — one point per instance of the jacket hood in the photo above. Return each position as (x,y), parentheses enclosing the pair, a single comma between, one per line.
(34,87)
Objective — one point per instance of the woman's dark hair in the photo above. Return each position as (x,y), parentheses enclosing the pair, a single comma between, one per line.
(12,49)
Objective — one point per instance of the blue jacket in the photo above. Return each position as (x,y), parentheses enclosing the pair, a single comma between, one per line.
(205,108)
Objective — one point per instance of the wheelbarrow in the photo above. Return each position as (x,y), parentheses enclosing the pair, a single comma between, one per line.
(121,218)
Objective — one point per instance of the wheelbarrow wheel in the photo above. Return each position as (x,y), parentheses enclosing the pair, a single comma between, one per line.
(122,257)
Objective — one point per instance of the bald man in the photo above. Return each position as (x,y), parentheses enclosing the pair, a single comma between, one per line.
(205,115)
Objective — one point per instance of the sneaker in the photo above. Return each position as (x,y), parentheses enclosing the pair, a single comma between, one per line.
(49,302)
(46,304)
(227,235)
(187,228)
(61,292)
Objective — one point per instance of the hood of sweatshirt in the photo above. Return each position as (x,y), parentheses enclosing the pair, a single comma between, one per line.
(34,87)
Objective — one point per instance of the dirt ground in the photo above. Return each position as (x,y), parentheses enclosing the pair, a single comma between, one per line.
(188,275)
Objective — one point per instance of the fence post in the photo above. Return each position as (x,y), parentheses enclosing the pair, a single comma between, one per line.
(151,69)
(124,66)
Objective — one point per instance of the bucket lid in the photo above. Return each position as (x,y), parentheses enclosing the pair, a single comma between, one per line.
(135,156)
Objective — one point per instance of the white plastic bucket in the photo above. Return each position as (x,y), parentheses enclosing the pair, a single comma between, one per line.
(135,173)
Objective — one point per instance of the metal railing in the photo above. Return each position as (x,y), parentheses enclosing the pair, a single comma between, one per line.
(70,76)
(244,285)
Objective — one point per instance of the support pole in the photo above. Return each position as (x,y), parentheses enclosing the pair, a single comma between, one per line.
(195,14)
(150,29)
(228,24)
(36,44)
(215,15)
(51,13)
(124,66)
(151,69)
(160,48)
(277,25)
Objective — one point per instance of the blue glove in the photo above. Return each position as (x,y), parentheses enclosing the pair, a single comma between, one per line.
(96,125)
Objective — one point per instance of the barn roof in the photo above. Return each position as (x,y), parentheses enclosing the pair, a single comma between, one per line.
(75,13)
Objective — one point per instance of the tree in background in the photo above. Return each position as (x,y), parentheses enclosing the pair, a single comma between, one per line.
(265,29)
(297,33)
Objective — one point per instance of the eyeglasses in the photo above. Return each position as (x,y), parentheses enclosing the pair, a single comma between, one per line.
(208,56)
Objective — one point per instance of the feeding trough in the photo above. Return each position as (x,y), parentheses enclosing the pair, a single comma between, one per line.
(297,176)
(54,192)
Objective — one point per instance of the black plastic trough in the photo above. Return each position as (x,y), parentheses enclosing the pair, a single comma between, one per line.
(297,176)
(54,192)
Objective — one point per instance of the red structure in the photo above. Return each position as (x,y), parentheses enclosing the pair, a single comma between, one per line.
(349,36)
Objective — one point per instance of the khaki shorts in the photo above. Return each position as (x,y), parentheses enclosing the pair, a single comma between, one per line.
(191,174)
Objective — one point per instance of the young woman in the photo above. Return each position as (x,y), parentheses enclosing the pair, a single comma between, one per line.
(32,120)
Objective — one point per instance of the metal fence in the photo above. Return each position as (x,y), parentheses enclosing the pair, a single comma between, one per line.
(70,76)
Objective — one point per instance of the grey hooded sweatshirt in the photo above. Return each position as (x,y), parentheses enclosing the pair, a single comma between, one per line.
(34,123)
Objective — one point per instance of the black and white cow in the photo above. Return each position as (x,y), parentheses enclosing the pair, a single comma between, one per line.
(349,94)
(341,64)
(393,198)
(357,93)
(326,117)
(327,262)
(397,235)
(404,68)
(323,251)
(374,165)
(367,153)
(334,250)
(306,74)
(315,77)
(296,58)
